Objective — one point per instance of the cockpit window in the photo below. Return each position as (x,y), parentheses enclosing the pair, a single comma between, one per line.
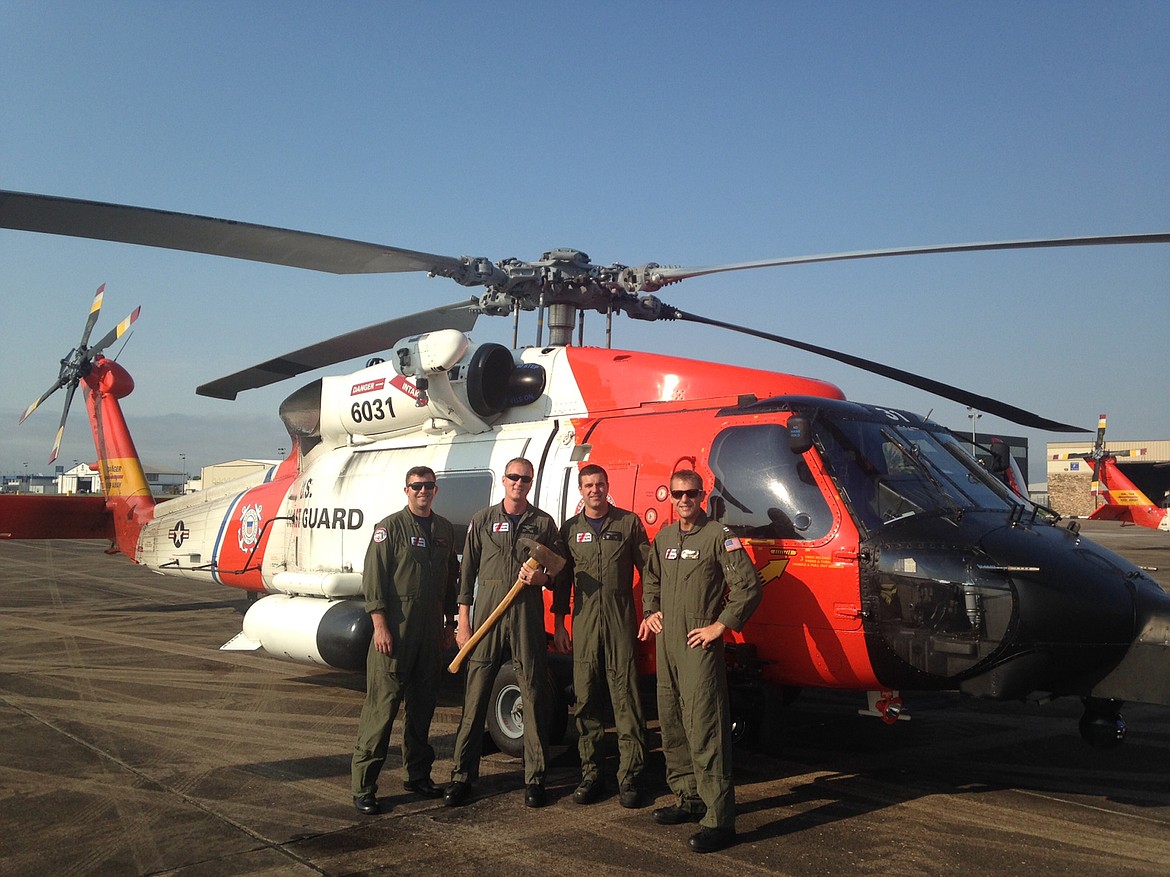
(889,470)
(762,489)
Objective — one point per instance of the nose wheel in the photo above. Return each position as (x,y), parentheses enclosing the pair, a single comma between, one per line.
(1102,724)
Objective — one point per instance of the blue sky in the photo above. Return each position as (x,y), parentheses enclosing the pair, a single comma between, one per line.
(684,133)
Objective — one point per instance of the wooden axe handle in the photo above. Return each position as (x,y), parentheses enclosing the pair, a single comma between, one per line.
(488,623)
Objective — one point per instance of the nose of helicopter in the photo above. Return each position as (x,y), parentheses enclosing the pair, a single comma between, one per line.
(1088,622)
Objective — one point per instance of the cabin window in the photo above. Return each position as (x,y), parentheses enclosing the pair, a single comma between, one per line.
(764,491)
(461,495)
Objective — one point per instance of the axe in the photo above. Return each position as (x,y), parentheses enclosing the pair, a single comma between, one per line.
(539,556)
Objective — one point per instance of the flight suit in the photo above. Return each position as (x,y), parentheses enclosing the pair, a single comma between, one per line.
(687,575)
(413,580)
(600,575)
(493,556)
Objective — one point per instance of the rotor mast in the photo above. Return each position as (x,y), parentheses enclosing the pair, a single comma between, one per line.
(565,283)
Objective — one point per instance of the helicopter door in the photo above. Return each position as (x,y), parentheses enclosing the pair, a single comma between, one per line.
(622,478)
(782,504)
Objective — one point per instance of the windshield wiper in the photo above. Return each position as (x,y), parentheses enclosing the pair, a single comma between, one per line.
(951,509)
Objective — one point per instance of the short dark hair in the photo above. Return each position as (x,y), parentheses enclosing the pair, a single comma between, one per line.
(688,475)
(591,469)
(527,464)
(420,472)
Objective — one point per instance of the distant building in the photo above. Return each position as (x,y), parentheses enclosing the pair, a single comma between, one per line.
(81,479)
(44,485)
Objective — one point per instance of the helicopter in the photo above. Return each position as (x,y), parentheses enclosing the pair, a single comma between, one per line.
(1124,500)
(892,559)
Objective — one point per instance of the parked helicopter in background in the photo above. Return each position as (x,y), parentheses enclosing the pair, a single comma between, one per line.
(891,558)
(1123,500)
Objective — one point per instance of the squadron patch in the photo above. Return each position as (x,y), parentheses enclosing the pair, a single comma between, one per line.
(380,534)
(418,541)
(671,554)
(584,537)
(501,526)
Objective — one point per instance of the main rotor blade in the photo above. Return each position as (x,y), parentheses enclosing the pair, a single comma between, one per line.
(360,342)
(204,234)
(115,333)
(946,391)
(673,275)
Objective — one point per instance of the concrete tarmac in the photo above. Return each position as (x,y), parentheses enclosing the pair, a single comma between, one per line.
(132,745)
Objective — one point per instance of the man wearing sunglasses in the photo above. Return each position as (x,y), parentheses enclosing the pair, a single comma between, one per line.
(494,556)
(699,582)
(410,582)
(605,545)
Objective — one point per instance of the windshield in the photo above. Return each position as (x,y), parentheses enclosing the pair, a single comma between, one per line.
(888,469)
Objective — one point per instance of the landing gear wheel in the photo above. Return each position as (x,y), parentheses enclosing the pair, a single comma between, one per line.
(506,713)
(1102,725)
(505,719)
(747,715)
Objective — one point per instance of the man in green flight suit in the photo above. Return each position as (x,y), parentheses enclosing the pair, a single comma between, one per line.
(409,581)
(494,555)
(692,563)
(605,545)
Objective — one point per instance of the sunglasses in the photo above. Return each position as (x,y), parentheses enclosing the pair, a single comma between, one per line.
(416,486)
(523,479)
(689,493)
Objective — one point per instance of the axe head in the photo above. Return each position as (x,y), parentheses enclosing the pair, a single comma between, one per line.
(546,557)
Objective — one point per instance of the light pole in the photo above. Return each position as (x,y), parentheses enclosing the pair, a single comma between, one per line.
(183,488)
(974,415)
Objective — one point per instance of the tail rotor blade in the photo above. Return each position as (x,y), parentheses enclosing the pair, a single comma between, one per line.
(61,427)
(115,333)
(35,405)
(95,310)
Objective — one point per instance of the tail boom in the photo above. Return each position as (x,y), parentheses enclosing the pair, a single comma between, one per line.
(1125,502)
(124,484)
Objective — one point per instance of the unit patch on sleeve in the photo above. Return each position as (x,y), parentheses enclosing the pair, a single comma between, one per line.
(379,534)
